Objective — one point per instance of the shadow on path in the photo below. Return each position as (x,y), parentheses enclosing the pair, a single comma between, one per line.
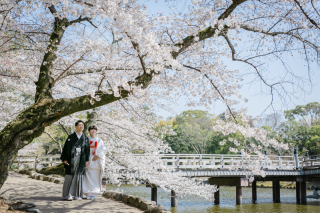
(47,197)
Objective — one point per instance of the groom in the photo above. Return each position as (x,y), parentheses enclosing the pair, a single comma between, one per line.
(75,156)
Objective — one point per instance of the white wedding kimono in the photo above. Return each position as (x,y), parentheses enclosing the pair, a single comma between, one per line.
(92,181)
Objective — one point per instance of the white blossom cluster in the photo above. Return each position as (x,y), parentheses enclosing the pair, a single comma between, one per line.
(244,132)
(126,133)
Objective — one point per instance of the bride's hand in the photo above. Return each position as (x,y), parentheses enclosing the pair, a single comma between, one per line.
(95,158)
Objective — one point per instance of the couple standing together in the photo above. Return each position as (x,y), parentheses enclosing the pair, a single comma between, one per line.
(84,161)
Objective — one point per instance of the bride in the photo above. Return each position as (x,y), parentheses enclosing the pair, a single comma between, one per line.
(92,181)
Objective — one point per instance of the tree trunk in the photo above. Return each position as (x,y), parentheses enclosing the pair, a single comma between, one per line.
(11,141)
(31,124)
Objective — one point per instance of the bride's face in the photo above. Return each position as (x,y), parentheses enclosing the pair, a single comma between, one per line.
(93,133)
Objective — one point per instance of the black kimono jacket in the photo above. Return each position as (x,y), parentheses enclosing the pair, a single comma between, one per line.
(69,152)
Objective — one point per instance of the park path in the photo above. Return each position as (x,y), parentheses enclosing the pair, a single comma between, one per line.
(47,197)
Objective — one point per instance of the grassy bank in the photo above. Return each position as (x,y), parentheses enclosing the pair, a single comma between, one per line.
(54,170)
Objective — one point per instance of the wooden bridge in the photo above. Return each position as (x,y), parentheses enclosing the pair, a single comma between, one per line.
(220,171)
(217,169)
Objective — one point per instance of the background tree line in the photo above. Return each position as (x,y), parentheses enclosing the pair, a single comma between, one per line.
(193,133)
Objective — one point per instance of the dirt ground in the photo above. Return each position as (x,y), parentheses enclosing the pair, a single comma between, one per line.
(47,197)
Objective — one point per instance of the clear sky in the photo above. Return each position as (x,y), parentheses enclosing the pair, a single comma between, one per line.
(258,101)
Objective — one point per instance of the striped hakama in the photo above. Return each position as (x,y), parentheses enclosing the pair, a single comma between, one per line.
(72,185)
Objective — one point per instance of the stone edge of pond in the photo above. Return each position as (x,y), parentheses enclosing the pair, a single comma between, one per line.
(38,176)
(136,201)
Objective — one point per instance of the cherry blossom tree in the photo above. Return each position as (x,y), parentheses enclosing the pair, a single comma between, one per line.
(63,57)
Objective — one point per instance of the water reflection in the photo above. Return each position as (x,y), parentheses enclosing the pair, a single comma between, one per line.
(190,204)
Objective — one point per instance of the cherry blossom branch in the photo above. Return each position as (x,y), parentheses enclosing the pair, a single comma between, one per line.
(45,81)
(306,15)
(64,128)
(5,16)
(102,79)
(98,71)
(216,88)
(314,8)
(149,76)
(245,27)
(134,110)
(11,76)
(66,70)
(120,127)
(208,32)
(233,52)
(57,142)
(231,8)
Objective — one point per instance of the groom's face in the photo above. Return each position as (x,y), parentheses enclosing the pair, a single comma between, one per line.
(80,127)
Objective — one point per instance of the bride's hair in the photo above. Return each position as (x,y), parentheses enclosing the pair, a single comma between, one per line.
(92,127)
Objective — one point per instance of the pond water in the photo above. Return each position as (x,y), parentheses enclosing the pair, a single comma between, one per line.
(193,204)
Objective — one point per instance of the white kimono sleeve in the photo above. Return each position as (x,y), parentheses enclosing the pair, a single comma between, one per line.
(101,153)
(101,150)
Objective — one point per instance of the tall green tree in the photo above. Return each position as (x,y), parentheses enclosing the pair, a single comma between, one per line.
(308,114)
(194,134)
(301,136)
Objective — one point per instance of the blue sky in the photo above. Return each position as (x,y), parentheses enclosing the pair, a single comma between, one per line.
(257,102)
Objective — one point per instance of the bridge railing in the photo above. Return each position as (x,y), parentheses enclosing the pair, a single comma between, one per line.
(227,161)
(193,161)
(311,162)
(216,161)
(36,161)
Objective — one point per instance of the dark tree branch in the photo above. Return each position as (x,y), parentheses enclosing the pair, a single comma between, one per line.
(233,52)
(128,130)
(80,19)
(289,33)
(45,80)
(91,119)
(306,15)
(208,32)
(101,81)
(95,71)
(11,76)
(314,8)
(231,8)
(64,128)
(57,142)
(68,68)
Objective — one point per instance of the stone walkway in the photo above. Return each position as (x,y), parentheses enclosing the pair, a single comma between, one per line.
(47,197)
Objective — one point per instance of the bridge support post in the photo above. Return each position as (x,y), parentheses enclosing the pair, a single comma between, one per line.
(154,194)
(174,202)
(217,196)
(238,195)
(254,191)
(273,191)
(276,191)
(298,192)
(303,192)
(296,158)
